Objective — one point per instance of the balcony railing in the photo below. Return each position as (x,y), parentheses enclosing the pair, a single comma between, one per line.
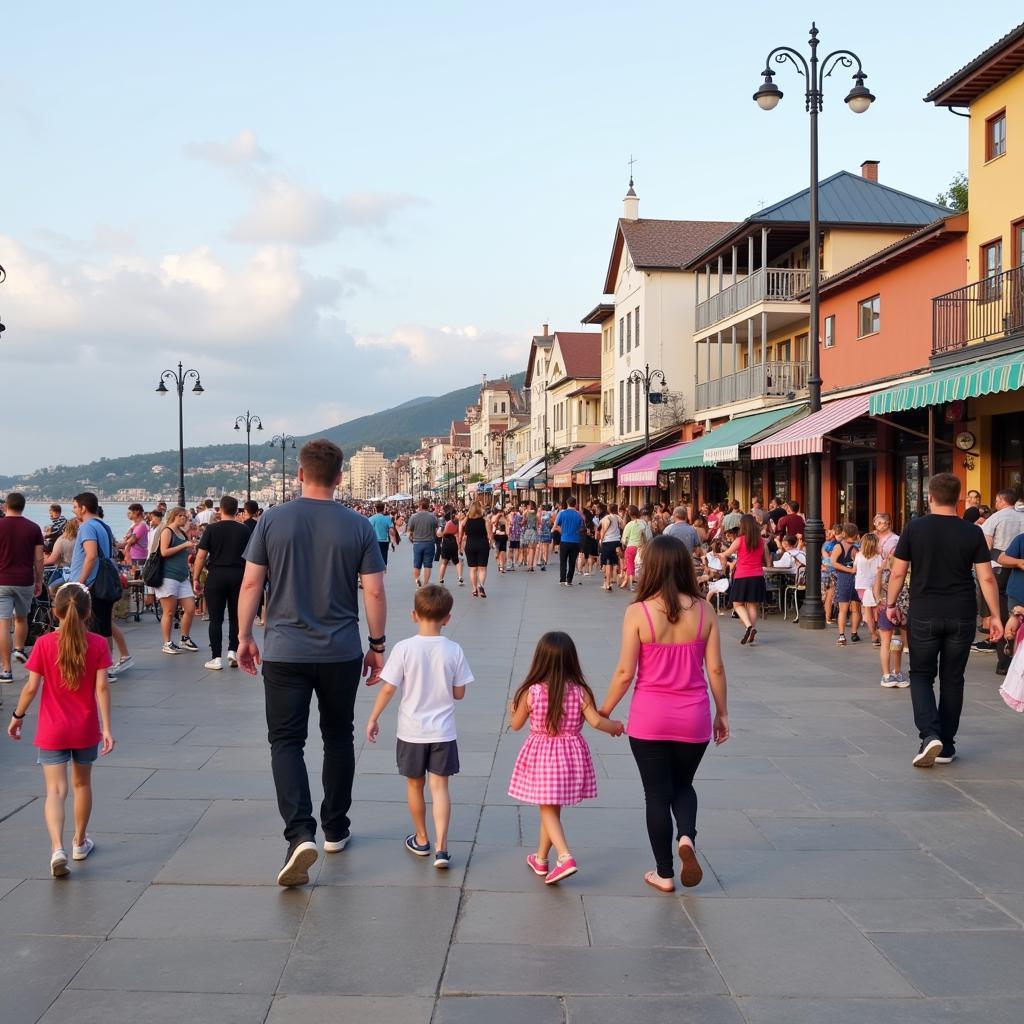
(771,284)
(763,380)
(988,309)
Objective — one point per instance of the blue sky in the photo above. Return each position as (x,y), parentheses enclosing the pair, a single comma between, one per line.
(329,209)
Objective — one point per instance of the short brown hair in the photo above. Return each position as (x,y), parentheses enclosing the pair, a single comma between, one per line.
(321,461)
(229,505)
(433,603)
(944,489)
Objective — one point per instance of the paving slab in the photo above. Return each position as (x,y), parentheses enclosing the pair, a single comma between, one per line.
(879,1011)
(87,907)
(298,1009)
(632,922)
(927,915)
(500,1010)
(155,1008)
(677,1009)
(35,969)
(503,917)
(832,833)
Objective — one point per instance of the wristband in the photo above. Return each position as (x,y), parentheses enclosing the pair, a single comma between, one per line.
(381,640)
(16,716)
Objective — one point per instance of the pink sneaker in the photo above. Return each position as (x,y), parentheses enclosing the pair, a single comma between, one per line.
(563,869)
(536,865)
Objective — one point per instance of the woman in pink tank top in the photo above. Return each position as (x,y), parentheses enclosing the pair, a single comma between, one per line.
(669,637)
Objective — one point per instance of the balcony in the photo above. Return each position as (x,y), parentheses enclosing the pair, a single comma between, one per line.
(769,284)
(988,310)
(762,380)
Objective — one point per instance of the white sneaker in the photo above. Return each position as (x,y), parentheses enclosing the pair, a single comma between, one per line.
(83,851)
(59,864)
(171,648)
(336,846)
(123,664)
(214,665)
(232,659)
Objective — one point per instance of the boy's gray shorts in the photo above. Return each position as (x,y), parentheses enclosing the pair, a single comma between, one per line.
(416,759)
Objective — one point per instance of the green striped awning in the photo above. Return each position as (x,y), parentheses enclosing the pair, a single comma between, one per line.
(608,456)
(985,377)
(705,451)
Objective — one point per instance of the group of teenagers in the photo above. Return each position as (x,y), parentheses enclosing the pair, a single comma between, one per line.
(670,657)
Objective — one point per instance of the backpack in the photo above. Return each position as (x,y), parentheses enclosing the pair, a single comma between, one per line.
(106,586)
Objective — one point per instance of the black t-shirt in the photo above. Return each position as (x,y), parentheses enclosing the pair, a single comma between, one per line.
(942,552)
(776,514)
(225,541)
(973,514)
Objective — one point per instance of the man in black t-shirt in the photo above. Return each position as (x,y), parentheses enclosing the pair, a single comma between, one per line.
(775,513)
(220,551)
(943,552)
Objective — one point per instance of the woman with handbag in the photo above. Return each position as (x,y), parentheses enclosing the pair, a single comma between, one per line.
(175,548)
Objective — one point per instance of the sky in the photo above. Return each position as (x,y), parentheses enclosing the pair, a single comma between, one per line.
(329,209)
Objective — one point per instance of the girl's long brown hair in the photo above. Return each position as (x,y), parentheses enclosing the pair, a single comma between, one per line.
(556,664)
(72,606)
(750,531)
(668,576)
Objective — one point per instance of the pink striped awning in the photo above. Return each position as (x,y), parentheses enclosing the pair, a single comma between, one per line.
(808,435)
(643,472)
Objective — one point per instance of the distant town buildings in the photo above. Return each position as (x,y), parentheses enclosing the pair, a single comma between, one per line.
(364,473)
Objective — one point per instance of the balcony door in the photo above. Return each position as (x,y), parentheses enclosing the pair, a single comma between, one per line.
(856,491)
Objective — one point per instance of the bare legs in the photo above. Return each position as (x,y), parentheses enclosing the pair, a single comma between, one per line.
(56,779)
(442,809)
(551,833)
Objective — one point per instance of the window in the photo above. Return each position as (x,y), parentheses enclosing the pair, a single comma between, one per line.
(629,406)
(622,336)
(636,402)
(868,316)
(830,332)
(636,325)
(622,393)
(502,406)
(992,267)
(995,135)
(629,331)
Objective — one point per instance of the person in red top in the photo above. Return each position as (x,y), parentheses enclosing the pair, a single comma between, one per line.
(21,578)
(792,524)
(748,590)
(73,664)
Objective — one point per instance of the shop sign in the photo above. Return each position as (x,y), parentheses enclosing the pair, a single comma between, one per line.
(562,480)
(602,474)
(582,477)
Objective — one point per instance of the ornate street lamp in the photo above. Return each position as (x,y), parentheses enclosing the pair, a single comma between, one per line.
(281,441)
(248,419)
(858,99)
(501,436)
(645,378)
(179,379)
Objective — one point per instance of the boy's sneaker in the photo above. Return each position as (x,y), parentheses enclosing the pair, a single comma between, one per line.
(20,655)
(6,676)
(171,648)
(983,647)
(302,855)
(59,864)
(83,851)
(948,756)
(413,847)
(336,845)
(929,751)
(232,659)
(889,681)
(187,644)
(441,859)
(902,681)
(214,665)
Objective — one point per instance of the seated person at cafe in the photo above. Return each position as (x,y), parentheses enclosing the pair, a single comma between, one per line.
(791,557)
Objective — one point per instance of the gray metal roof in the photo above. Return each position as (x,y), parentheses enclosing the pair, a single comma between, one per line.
(847,198)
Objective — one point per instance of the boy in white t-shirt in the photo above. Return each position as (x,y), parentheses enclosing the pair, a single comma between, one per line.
(432,673)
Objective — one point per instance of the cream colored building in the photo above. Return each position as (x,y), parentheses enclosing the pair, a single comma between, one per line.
(495,414)
(364,472)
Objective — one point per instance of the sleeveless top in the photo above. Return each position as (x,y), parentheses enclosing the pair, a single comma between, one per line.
(613,532)
(476,531)
(749,561)
(670,696)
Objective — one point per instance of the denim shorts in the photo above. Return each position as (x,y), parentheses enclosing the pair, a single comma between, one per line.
(423,554)
(80,755)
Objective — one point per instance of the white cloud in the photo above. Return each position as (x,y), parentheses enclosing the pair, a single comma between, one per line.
(239,151)
(469,348)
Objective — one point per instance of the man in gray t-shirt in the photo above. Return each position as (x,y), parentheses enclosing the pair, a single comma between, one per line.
(311,551)
(422,530)
(682,530)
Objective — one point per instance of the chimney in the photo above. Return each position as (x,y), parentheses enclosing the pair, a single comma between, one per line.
(869,170)
(631,204)
(545,326)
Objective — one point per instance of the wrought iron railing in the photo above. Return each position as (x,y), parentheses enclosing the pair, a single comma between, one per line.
(982,311)
(771,284)
(773,379)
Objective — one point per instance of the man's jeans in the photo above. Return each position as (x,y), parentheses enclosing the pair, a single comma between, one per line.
(568,552)
(289,688)
(939,647)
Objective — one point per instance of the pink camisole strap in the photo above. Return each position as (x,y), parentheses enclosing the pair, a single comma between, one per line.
(650,622)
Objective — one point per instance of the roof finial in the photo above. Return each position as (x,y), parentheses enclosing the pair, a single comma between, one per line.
(632,160)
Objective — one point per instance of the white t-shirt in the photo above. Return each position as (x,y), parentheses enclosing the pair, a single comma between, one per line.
(791,560)
(867,571)
(205,517)
(424,669)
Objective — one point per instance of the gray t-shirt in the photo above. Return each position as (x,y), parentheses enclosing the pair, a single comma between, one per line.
(422,527)
(684,532)
(313,551)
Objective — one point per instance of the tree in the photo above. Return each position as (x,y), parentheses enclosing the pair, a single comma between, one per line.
(955,197)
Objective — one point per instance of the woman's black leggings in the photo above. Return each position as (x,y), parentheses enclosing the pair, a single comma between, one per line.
(667,769)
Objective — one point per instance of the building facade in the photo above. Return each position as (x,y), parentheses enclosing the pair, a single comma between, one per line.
(364,472)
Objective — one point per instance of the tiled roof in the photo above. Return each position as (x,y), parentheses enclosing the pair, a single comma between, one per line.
(581,353)
(593,388)
(1001,59)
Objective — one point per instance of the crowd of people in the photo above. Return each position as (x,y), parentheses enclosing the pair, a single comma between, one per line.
(301,566)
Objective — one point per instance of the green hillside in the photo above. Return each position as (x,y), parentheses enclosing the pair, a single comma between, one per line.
(393,431)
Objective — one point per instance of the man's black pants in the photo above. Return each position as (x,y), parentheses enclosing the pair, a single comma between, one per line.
(289,687)
(567,555)
(222,589)
(1004,649)
(939,647)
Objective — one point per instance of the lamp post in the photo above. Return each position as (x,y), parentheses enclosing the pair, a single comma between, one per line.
(281,441)
(466,457)
(248,419)
(645,378)
(179,379)
(767,97)
(501,436)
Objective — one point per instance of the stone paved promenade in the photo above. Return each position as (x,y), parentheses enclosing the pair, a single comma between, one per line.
(840,884)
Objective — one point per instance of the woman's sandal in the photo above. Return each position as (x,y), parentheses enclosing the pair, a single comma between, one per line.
(655,881)
(691,873)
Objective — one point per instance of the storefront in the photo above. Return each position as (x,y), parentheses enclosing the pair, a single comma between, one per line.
(641,482)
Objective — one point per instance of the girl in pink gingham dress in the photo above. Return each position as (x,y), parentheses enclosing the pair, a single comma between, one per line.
(554,767)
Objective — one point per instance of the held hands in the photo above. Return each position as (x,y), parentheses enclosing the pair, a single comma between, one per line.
(372,730)
(721,729)
(615,727)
